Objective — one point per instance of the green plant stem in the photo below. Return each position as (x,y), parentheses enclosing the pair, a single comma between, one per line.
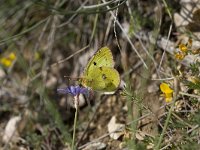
(168,10)
(99,8)
(94,27)
(74,130)
(24,31)
(165,127)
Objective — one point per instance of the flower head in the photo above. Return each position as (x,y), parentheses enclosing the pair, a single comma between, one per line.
(164,87)
(180,55)
(183,47)
(12,56)
(8,60)
(73,90)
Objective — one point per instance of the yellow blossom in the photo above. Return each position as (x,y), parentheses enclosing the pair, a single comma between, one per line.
(165,88)
(168,99)
(168,92)
(6,62)
(183,47)
(179,55)
(12,56)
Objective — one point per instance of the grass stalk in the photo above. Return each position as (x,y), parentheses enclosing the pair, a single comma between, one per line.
(165,126)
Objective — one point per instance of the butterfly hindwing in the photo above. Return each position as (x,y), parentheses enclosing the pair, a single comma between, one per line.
(103,79)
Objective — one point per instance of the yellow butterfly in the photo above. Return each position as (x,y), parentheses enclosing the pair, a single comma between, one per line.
(99,73)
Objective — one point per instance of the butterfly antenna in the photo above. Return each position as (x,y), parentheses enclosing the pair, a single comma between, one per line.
(68,77)
(73,78)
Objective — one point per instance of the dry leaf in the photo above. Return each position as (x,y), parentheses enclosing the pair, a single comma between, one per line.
(115,129)
(150,146)
(10,132)
(140,136)
(96,146)
(2,74)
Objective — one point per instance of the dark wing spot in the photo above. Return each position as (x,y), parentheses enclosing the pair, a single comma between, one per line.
(104,76)
(95,63)
(100,68)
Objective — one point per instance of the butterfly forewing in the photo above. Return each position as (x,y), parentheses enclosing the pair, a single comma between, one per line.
(102,57)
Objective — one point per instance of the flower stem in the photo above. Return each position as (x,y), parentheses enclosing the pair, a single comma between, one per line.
(75,122)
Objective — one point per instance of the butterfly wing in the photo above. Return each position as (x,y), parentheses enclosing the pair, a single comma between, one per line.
(102,57)
(105,79)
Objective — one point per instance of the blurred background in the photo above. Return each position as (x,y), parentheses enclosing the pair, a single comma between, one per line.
(41,41)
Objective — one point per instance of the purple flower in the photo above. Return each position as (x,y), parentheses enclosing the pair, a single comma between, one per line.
(73,90)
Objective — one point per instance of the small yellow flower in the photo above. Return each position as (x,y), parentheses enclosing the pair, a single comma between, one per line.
(164,87)
(168,92)
(183,47)
(168,99)
(179,55)
(6,62)
(12,56)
